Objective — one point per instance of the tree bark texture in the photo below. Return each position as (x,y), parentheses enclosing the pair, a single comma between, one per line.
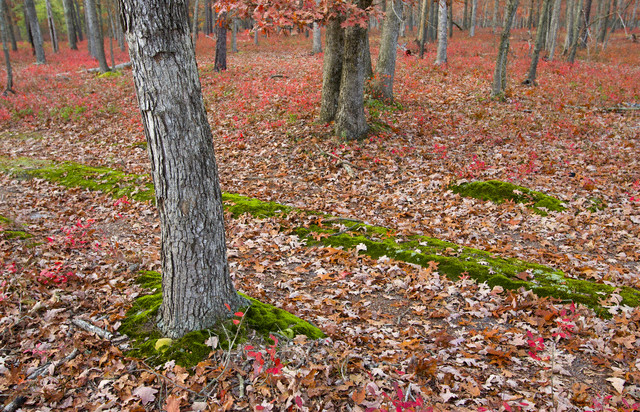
(4,32)
(575,32)
(221,43)
(195,281)
(9,24)
(350,119)
(382,86)
(442,33)
(474,17)
(331,70)
(52,27)
(496,15)
(94,32)
(368,67)
(36,34)
(71,28)
(500,74)
(317,39)
(552,37)
(422,32)
(540,35)
(76,19)
(584,32)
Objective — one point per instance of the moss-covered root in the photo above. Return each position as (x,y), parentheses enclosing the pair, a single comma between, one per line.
(499,192)
(148,343)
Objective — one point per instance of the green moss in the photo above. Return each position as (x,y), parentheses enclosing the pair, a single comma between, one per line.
(499,192)
(454,260)
(140,325)
(16,234)
(4,220)
(596,204)
(238,205)
(109,75)
(71,174)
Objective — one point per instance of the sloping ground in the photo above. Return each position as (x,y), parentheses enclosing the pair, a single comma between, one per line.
(395,330)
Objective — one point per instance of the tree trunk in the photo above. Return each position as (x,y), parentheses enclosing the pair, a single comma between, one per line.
(382,87)
(317,39)
(450,19)
(540,34)
(465,15)
(350,119)
(195,276)
(433,17)
(194,29)
(234,35)
(221,43)
(71,29)
(442,33)
(4,32)
(604,25)
(9,26)
(496,15)
(331,70)
(552,38)
(584,33)
(422,32)
(500,74)
(52,27)
(575,33)
(77,22)
(570,14)
(36,35)
(368,67)
(95,34)
(474,16)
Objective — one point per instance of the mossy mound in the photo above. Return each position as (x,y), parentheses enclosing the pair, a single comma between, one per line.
(110,74)
(499,192)
(12,232)
(264,319)
(455,260)
(70,174)
(118,184)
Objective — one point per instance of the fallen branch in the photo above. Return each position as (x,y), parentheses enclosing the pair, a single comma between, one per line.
(116,67)
(15,404)
(41,370)
(82,324)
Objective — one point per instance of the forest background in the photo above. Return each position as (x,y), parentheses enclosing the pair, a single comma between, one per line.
(400,334)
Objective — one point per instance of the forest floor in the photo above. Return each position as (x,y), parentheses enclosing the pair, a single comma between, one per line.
(400,337)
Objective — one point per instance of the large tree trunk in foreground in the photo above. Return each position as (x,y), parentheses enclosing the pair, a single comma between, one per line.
(500,74)
(382,87)
(195,277)
(351,122)
(331,70)
(36,34)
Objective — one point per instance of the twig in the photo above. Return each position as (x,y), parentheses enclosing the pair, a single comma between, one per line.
(15,404)
(278,76)
(92,328)
(116,67)
(342,232)
(41,370)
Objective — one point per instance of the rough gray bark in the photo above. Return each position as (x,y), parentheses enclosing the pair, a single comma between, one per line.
(195,277)
(496,13)
(368,67)
(221,43)
(32,18)
(433,20)
(570,23)
(584,31)
(194,29)
(382,86)
(465,15)
(422,32)
(552,38)
(94,32)
(442,33)
(76,19)
(317,39)
(500,74)
(350,121)
(52,27)
(575,33)
(4,32)
(71,29)
(604,19)
(331,70)
(234,35)
(474,16)
(9,25)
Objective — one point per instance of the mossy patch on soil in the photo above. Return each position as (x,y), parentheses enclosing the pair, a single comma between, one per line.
(140,325)
(70,174)
(499,192)
(455,260)
(8,230)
